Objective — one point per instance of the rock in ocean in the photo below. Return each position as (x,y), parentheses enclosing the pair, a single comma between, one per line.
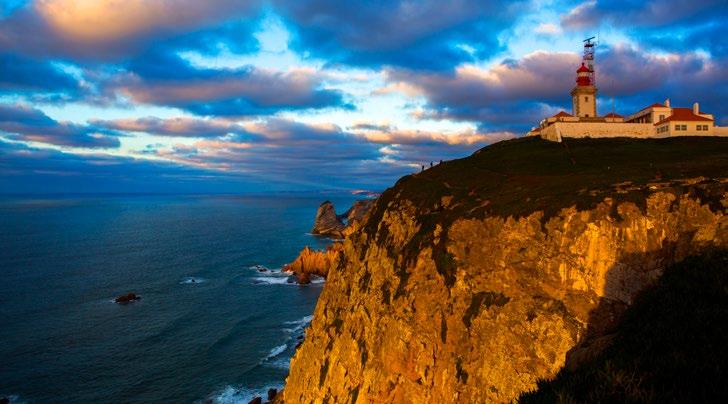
(127,298)
(327,223)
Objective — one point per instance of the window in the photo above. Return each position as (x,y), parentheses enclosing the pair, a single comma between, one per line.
(662,117)
(586,99)
(586,115)
(678,127)
(699,127)
(705,127)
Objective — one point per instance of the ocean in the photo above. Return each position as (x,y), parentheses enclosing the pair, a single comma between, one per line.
(209,326)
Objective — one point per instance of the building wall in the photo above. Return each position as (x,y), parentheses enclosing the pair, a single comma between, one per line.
(690,128)
(597,129)
(720,131)
(584,102)
(650,115)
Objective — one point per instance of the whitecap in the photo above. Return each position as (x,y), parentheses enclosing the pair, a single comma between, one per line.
(276,351)
(259,268)
(299,324)
(13,399)
(282,363)
(192,280)
(304,320)
(278,280)
(317,280)
(241,395)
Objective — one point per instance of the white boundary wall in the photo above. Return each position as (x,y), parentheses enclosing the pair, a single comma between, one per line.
(558,130)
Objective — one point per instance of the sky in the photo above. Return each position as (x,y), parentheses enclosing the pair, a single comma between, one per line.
(236,96)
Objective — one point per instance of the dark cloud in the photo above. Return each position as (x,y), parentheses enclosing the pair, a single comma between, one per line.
(636,13)
(25,169)
(166,79)
(674,25)
(21,74)
(419,35)
(30,124)
(517,94)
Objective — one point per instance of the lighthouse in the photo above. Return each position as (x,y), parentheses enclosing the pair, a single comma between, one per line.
(584,94)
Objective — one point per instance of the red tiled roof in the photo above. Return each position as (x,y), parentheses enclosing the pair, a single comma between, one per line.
(655,105)
(613,115)
(683,114)
(562,114)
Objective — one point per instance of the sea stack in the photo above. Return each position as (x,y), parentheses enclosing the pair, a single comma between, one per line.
(327,223)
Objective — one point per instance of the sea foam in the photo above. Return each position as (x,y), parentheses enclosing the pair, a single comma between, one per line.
(240,395)
(276,351)
(190,280)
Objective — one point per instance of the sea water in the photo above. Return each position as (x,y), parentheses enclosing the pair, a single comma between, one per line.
(210,325)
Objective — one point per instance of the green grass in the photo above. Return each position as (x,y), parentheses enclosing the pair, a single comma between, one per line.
(669,347)
(522,176)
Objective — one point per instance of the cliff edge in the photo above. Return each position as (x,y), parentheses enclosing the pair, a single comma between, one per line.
(476,279)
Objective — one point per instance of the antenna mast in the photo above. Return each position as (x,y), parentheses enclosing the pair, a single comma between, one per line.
(589,45)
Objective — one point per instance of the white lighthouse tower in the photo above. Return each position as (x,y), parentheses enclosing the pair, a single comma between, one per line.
(584,94)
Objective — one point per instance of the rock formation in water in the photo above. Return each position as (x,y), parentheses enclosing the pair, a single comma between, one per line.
(317,262)
(311,262)
(473,280)
(327,223)
(127,298)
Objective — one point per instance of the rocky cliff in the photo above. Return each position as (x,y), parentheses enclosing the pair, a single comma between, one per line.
(473,280)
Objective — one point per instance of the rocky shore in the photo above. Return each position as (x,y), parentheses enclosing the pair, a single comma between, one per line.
(318,262)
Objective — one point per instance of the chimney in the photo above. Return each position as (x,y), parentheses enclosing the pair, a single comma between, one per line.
(696,109)
(667,103)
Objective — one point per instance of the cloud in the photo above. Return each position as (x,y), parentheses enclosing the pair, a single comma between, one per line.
(165,79)
(414,148)
(177,127)
(385,134)
(25,169)
(547,29)
(516,94)
(650,13)
(28,124)
(419,35)
(113,29)
(282,150)
(21,74)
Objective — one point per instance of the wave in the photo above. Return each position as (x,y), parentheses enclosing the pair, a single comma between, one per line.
(276,351)
(273,280)
(324,237)
(241,395)
(192,280)
(282,363)
(13,399)
(300,324)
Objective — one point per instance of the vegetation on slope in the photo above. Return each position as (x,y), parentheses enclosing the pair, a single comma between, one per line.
(669,347)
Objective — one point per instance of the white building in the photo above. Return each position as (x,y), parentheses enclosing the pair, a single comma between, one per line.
(656,120)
